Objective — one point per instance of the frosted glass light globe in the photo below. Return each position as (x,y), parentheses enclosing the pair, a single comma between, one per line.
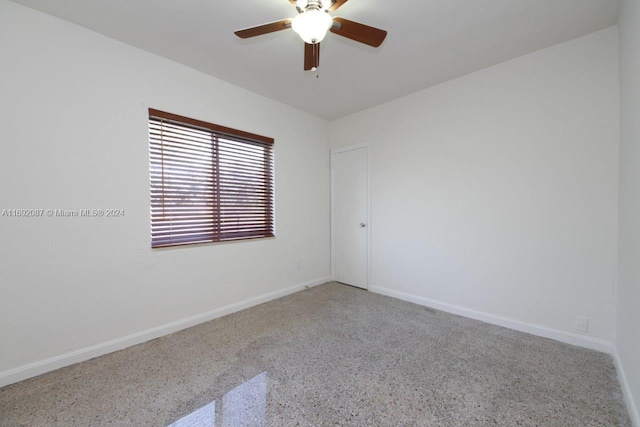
(312,25)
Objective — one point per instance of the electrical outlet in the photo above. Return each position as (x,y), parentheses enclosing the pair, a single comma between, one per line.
(582,324)
(296,263)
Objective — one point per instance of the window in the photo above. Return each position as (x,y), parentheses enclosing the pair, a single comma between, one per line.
(209,183)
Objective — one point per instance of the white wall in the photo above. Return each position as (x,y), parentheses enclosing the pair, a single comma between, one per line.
(627,335)
(74,135)
(496,193)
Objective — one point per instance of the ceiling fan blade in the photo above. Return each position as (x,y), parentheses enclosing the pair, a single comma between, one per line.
(311,56)
(264,29)
(336,4)
(358,32)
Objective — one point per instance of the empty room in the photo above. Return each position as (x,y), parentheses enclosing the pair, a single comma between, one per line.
(320,213)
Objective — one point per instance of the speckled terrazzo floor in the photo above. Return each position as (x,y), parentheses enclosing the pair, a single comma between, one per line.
(329,356)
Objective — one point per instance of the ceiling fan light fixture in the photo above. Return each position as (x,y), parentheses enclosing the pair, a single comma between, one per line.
(312,25)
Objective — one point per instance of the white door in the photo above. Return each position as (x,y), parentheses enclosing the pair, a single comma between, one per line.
(350,215)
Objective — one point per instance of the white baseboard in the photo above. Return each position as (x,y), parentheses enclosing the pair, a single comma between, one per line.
(626,390)
(554,334)
(38,368)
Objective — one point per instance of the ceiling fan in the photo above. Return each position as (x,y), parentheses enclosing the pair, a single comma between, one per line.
(312,24)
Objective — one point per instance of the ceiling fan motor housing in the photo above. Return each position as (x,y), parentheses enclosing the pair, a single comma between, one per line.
(307,5)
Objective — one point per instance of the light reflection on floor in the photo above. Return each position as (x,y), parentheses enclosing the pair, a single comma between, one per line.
(245,405)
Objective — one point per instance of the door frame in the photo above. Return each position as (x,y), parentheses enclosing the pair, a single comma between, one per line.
(368,207)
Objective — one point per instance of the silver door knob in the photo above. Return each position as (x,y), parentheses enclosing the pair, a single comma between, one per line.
(362,225)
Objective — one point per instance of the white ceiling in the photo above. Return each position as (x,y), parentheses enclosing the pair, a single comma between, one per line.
(429,41)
